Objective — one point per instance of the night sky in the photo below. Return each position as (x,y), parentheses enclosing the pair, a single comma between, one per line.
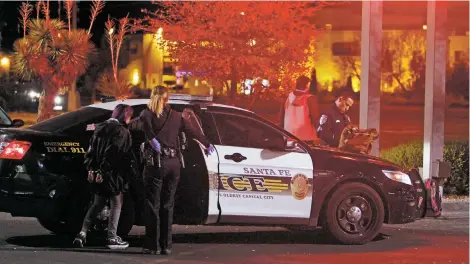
(9,17)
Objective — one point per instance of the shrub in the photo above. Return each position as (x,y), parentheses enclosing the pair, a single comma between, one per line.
(411,156)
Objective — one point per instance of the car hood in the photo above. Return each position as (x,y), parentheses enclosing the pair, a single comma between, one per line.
(341,154)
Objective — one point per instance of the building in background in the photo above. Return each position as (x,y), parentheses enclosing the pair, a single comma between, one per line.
(338,47)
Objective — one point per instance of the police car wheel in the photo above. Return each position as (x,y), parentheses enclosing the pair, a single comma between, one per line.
(55,227)
(354,214)
(70,226)
(70,216)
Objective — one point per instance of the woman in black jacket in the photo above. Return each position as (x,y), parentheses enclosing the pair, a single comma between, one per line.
(108,166)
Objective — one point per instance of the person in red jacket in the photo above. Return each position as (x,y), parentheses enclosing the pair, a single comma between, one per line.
(300,112)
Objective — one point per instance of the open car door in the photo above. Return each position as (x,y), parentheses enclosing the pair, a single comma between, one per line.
(199,183)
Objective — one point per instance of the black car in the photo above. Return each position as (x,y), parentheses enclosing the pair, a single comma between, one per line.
(260,175)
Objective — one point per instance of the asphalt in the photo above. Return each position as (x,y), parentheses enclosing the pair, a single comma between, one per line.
(431,240)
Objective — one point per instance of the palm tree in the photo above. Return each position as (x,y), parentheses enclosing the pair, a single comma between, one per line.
(54,56)
(52,53)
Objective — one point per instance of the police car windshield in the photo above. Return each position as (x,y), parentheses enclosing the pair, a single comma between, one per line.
(63,121)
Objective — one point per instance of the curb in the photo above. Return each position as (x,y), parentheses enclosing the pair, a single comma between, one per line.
(453,206)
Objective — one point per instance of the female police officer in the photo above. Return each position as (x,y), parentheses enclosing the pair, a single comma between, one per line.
(162,126)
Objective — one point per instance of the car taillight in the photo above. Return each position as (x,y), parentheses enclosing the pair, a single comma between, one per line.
(14,149)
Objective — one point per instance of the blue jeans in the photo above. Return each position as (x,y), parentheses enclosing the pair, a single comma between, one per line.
(114,213)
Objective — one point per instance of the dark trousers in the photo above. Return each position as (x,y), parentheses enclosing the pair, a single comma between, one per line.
(160,186)
(114,213)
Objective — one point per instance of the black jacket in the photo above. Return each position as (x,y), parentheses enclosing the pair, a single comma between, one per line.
(151,125)
(108,152)
(331,124)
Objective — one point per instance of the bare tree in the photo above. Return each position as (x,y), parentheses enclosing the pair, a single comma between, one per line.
(111,83)
(350,65)
(403,58)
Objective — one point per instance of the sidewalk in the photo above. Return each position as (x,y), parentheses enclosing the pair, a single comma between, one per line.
(454,219)
(453,205)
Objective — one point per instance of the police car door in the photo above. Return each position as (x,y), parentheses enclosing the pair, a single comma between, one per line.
(260,181)
(212,162)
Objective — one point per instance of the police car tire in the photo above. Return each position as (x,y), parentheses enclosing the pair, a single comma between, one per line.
(71,223)
(55,227)
(330,222)
(69,228)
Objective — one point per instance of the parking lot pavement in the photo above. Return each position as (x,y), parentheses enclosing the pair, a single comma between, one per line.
(443,240)
(455,218)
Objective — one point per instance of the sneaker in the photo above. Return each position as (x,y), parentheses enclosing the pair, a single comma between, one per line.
(117,243)
(166,251)
(80,240)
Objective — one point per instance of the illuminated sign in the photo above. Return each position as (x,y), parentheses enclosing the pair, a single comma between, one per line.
(64,147)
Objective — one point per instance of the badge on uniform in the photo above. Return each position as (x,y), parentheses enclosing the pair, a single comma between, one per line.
(90,127)
(323,119)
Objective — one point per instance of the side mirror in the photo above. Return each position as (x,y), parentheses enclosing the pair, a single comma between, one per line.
(291,144)
(17,123)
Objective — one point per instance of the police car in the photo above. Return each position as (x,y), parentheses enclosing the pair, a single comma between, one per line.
(259,175)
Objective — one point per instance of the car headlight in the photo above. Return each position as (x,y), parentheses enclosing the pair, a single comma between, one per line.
(398,176)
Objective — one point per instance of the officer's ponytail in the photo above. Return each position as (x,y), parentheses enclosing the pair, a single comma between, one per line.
(158,99)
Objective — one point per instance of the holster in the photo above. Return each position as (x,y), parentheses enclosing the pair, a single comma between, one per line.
(149,157)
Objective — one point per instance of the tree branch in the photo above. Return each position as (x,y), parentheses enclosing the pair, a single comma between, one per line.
(96,9)
(109,26)
(68,8)
(25,13)
(39,4)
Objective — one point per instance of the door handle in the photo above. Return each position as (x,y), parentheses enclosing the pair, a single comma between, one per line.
(237,157)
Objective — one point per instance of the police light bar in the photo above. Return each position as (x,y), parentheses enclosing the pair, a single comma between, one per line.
(190,97)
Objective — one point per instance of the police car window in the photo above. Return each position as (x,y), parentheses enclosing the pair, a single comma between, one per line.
(82,116)
(139,108)
(240,131)
(4,119)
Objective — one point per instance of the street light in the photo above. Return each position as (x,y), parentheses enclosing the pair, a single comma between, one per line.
(5,61)
(135,77)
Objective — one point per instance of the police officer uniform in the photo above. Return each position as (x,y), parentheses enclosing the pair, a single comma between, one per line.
(162,172)
(331,125)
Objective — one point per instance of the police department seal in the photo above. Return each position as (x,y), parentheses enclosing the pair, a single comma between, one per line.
(299,186)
